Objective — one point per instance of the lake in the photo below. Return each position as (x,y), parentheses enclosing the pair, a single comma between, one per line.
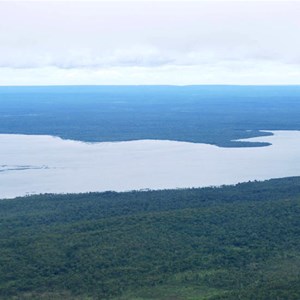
(33,164)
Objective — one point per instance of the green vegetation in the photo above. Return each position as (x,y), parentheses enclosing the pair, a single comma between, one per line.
(233,242)
(203,114)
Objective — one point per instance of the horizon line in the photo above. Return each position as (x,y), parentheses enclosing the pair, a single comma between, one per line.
(151,85)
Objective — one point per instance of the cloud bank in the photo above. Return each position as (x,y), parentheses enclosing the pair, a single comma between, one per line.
(205,42)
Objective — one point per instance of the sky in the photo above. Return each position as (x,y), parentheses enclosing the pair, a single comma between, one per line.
(149,42)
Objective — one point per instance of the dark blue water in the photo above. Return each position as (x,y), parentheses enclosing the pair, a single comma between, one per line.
(206,114)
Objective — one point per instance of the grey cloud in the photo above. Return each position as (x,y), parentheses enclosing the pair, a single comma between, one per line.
(90,35)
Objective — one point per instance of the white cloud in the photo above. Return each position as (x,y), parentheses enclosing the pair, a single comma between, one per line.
(149,42)
(250,72)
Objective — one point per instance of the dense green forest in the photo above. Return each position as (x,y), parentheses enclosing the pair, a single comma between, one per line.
(232,242)
(203,114)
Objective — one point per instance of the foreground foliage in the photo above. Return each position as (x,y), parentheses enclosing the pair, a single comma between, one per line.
(234,242)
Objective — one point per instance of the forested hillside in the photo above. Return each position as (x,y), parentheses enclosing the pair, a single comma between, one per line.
(233,242)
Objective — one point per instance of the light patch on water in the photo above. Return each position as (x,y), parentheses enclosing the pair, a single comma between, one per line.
(32,164)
